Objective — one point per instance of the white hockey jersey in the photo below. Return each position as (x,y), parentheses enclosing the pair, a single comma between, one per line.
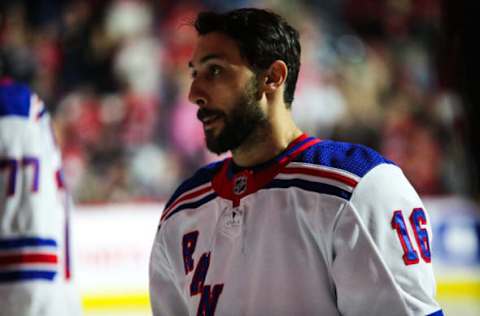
(325,228)
(35,260)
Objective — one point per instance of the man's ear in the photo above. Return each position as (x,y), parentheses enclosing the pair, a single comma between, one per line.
(275,76)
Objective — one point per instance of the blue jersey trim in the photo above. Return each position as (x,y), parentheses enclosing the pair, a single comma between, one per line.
(201,177)
(26,242)
(353,158)
(437,313)
(296,147)
(26,275)
(14,100)
(192,205)
(283,154)
(310,186)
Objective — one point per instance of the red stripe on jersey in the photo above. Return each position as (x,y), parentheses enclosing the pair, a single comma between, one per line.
(27,258)
(186,197)
(297,151)
(59,179)
(322,173)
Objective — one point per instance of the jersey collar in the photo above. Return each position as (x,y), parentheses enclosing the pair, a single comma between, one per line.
(234,183)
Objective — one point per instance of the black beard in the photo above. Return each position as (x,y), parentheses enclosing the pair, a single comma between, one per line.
(245,117)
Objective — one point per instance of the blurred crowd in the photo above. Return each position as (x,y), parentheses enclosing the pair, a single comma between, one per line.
(114,74)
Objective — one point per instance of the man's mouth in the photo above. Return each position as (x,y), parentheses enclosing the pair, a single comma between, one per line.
(209,118)
(209,121)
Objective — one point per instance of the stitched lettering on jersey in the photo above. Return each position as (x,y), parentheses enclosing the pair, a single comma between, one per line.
(200,274)
(25,167)
(209,294)
(410,256)
(209,300)
(189,243)
(417,219)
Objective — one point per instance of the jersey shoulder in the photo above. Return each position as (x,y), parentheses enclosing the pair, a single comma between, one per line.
(202,177)
(353,158)
(18,100)
(15,99)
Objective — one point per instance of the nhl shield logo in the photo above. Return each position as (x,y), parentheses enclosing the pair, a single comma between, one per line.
(240,185)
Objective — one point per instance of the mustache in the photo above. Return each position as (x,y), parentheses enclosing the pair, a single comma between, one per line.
(202,113)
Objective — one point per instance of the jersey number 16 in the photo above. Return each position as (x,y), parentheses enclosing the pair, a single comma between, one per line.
(418,220)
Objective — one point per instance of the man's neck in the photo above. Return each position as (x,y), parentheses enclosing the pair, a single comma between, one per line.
(266,143)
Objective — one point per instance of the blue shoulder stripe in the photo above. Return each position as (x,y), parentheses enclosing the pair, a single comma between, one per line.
(354,158)
(202,176)
(26,242)
(192,205)
(437,313)
(26,275)
(310,186)
(14,100)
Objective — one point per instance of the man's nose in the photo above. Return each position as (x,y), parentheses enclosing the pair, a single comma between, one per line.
(196,94)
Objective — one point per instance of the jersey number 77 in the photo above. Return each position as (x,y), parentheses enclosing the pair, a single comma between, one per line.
(12,166)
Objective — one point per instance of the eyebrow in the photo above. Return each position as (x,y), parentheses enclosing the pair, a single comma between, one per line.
(206,58)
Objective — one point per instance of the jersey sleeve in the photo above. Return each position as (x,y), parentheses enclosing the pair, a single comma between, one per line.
(165,295)
(381,249)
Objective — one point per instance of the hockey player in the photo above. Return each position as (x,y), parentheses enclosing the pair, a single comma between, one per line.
(35,260)
(290,225)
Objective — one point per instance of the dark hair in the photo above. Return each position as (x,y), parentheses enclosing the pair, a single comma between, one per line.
(17,65)
(262,37)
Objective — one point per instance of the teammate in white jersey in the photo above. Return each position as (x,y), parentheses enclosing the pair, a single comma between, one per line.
(35,262)
(290,225)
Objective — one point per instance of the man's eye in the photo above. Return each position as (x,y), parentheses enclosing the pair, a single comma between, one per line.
(214,70)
